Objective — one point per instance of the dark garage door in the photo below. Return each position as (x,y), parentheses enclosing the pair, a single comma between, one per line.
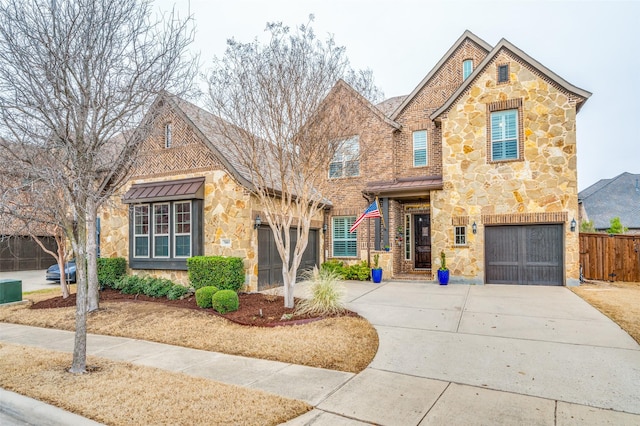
(20,253)
(524,254)
(269,263)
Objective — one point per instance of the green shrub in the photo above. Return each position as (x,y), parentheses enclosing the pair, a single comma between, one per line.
(130,284)
(326,294)
(177,291)
(358,271)
(110,270)
(157,287)
(153,287)
(335,266)
(225,301)
(226,273)
(204,296)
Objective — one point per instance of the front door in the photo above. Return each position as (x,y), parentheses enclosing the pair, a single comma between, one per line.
(422,238)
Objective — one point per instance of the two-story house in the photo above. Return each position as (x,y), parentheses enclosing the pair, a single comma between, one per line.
(479,161)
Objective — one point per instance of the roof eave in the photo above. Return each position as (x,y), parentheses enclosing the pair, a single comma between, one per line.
(504,43)
(467,34)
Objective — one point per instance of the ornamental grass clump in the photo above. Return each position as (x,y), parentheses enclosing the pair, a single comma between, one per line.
(326,294)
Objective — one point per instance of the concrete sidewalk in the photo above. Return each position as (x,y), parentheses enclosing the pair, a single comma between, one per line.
(452,354)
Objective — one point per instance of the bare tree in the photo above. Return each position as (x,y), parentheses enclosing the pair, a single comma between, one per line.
(286,111)
(29,207)
(75,78)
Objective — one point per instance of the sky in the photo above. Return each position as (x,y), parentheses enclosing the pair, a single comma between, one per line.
(594,45)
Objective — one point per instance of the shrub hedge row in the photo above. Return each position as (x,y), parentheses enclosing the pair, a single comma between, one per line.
(110,270)
(153,287)
(225,273)
(358,271)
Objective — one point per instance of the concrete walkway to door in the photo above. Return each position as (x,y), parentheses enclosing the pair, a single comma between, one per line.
(489,354)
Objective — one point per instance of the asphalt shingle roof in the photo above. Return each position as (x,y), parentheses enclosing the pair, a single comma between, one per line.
(609,198)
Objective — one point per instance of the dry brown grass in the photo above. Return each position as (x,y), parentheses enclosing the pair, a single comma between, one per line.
(620,301)
(118,393)
(345,344)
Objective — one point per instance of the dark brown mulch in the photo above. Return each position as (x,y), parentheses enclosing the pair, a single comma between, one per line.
(255,309)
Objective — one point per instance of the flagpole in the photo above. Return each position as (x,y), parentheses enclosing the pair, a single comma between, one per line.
(369,241)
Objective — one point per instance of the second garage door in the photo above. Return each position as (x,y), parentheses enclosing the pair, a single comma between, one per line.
(524,254)
(269,262)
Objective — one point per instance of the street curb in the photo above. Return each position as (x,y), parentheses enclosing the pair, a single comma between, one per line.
(32,411)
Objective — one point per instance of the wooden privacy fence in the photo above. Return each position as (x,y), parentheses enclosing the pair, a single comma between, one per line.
(610,257)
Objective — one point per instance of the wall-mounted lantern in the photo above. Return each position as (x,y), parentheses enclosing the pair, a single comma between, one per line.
(573,225)
(474,228)
(324,228)
(257,223)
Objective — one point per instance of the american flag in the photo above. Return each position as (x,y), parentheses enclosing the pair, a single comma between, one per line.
(371,211)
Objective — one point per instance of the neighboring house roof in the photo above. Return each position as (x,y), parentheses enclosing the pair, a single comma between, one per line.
(466,35)
(609,198)
(505,44)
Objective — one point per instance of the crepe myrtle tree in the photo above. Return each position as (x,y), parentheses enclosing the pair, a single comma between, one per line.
(28,207)
(287,106)
(76,78)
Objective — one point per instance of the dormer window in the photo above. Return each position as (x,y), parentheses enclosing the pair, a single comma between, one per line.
(467,68)
(167,135)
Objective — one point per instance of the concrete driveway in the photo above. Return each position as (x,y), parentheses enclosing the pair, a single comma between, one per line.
(31,280)
(489,354)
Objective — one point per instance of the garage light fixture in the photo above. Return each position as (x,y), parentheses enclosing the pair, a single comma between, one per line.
(474,228)
(257,223)
(573,225)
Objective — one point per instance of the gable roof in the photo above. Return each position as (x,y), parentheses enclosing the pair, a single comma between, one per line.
(206,125)
(466,35)
(378,112)
(609,198)
(505,44)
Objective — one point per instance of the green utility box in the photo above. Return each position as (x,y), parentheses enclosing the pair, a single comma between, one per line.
(10,291)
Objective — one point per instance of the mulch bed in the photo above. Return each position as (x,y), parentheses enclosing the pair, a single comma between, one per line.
(252,305)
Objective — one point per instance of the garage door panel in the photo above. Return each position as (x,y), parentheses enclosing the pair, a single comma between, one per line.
(269,262)
(524,254)
(20,253)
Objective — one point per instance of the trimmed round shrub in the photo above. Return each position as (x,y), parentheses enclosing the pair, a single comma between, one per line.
(225,301)
(204,296)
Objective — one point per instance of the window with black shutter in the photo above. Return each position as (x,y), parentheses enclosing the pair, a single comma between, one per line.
(503,73)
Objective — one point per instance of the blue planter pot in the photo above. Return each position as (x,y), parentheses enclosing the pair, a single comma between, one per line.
(376,275)
(443,277)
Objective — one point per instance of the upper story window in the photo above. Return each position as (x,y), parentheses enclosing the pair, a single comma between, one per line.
(467,68)
(346,161)
(167,135)
(345,243)
(503,73)
(504,135)
(420,148)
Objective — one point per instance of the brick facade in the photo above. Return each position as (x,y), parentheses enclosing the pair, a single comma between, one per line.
(543,176)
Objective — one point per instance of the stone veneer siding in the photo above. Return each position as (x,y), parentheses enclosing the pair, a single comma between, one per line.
(540,187)
(228,214)
(229,209)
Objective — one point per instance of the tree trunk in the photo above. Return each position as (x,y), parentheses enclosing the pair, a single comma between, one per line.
(61,260)
(93,295)
(79,363)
